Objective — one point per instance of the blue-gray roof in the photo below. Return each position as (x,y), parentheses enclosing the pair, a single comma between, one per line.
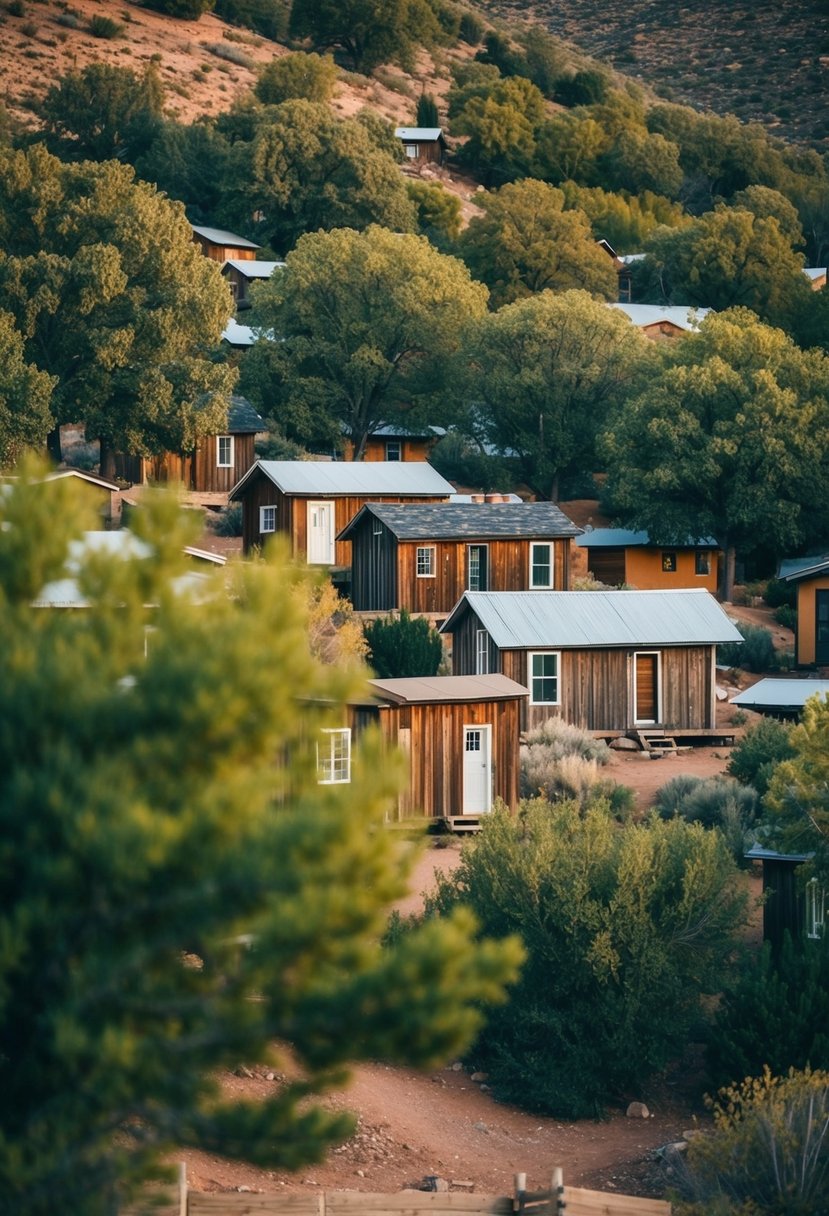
(419,134)
(794,568)
(526,620)
(613,538)
(242,418)
(358,479)
(252,269)
(448,521)
(780,694)
(221,236)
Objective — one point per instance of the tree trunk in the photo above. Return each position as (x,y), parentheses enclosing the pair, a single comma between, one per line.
(360,448)
(107,459)
(53,445)
(727,566)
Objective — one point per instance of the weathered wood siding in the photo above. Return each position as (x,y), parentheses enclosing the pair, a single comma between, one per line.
(223,253)
(375,449)
(374,568)
(785,906)
(197,471)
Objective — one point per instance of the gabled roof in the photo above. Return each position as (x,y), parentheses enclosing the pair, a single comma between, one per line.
(526,620)
(780,694)
(253,270)
(815,272)
(220,236)
(423,690)
(81,475)
(447,521)
(239,335)
(792,569)
(419,134)
(242,418)
(341,478)
(682,316)
(402,430)
(624,538)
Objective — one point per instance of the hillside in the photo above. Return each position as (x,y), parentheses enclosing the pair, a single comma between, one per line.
(761,60)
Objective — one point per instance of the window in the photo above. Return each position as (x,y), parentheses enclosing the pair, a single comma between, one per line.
(393,449)
(815,909)
(425,561)
(477,572)
(267,519)
(669,562)
(334,757)
(481,652)
(543,669)
(541,566)
(411,151)
(224,451)
(702,562)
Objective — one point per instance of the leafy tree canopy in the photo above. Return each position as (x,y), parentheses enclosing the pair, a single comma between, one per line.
(113,299)
(625,221)
(189,163)
(371,323)
(103,112)
(438,212)
(797,802)
(368,32)
(144,833)
(25,394)
(311,77)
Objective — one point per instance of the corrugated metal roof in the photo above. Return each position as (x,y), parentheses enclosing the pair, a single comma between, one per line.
(602,538)
(239,335)
(427,689)
(221,236)
(771,693)
(523,620)
(353,478)
(683,316)
(424,134)
(253,270)
(794,568)
(446,521)
(758,853)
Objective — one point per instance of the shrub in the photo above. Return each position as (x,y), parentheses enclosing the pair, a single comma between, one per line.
(230,520)
(16,8)
(104,27)
(187,10)
(714,802)
(403,646)
(232,54)
(754,653)
(311,77)
(755,757)
(768,1153)
(267,17)
(786,616)
(779,592)
(29,28)
(566,740)
(471,28)
(624,928)
(582,89)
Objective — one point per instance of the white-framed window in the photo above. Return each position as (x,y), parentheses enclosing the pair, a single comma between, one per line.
(334,757)
(541,566)
(477,567)
(481,652)
(425,561)
(543,672)
(267,519)
(815,909)
(224,451)
(393,451)
(411,151)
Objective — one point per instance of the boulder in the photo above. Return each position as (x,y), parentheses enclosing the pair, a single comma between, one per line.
(638,1110)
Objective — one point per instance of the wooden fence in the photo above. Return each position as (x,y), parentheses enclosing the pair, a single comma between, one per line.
(559,1200)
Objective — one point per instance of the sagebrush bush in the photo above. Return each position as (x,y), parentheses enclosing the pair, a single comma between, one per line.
(754,653)
(567,740)
(230,521)
(403,646)
(755,756)
(560,761)
(715,802)
(104,27)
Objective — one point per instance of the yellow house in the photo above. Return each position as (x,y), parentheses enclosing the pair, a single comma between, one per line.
(811,576)
(617,555)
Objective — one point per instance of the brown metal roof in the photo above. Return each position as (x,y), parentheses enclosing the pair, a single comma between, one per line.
(420,690)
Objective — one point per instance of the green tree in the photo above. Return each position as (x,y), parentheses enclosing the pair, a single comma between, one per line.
(568,147)
(403,646)
(639,160)
(268,17)
(369,32)
(729,440)
(306,169)
(545,374)
(797,802)
(311,77)
(771,204)
(371,322)
(103,112)
(25,394)
(754,758)
(427,111)
(189,163)
(144,833)
(626,221)
(187,10)
(525,242)
(624,928)
(499,117)
(115,300)
(438,212)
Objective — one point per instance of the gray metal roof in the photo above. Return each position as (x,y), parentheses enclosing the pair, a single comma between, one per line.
(524,620)
(446,521)
(771,694)
(758,853)
(422,134)
(252,269)
(683,316)
(612,538)
(427,689)
(242,418)
(359,479)
(794,568)
(221,236)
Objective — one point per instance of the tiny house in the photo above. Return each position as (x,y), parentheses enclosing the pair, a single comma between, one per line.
(242,272)
(811,577)
(220,245)
(397,442)
(617,555)
(422,144)
(610,662)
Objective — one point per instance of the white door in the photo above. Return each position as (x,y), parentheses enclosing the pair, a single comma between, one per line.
(320,534)
(477,770)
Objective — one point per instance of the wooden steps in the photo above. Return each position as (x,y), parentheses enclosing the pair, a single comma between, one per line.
(655,742)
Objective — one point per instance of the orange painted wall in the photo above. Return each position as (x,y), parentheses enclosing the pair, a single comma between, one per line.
(643,570)
(806,618)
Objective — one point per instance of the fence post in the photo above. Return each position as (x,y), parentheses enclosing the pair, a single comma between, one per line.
(520,1185)
(558,1204)
(182,1188)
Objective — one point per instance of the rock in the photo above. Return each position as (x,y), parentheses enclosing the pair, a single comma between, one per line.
(360,1173)
(638,1110)
(481,1127)
(433,1182)
(463,1184)
(484,1089)
(722,693)
(269,1076)
(480,1076)
(241,1071)
(623,744)
(457,1066)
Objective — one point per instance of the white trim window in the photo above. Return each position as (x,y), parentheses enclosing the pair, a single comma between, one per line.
(393,449)
(481,652)
(815,909)
(267,519)
(334,757)
(225,451)
(425,561)
(541,566)
(543,668)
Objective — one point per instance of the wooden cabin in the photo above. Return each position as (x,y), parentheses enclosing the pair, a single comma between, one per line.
(610,662)
(423,558)
(789,904)
(616,555)
(312,501)
(623,265)
(658,321)
(460,735)
(811,577)
(396,443)
(424,145)
(214,467)
(816,276)
(104,495)
(241,272)
(220,245)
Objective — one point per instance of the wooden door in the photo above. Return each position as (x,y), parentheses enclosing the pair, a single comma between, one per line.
(822,628)
(320,534)
(477,563)
(477,770)
(646,687)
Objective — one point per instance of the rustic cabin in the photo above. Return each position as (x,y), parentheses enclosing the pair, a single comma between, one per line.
(659,322)
(423,558)
(103,494)
(397,442)
(312,501)
(789,904)
(810,575)
(240,273)
(615,555)
(220,245)
(460,736)
(425,145)
(214,467)
(622,264)
(610,662)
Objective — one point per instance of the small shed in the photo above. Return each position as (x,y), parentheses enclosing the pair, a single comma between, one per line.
(423,144)
(658,321)
(241,272)
(219,245)
(422,558)
(811,577)
(619,555)
(312,501)
(104,494)
(789,905)
(397,442)
(780,697)
(460,735)
(610,662)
